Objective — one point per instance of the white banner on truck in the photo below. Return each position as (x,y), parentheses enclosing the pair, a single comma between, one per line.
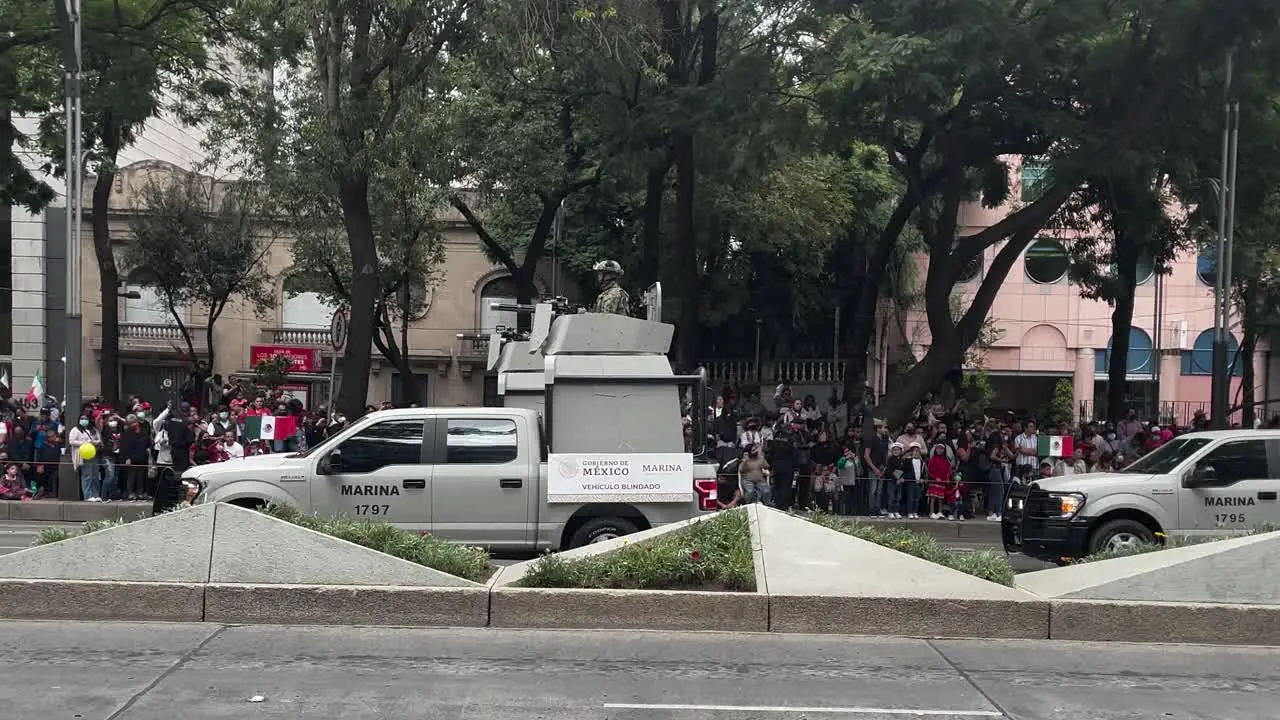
(614,474)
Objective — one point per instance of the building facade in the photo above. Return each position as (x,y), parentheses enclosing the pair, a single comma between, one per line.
(1046,331)
(448,361)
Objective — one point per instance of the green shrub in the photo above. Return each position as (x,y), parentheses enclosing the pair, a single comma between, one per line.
(989,565)
(468,562)
(712,554)
(50,535)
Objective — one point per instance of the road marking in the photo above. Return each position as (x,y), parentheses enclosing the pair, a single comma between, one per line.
(809,710)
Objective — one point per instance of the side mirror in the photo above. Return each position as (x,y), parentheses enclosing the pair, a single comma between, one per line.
(331,463)
(1200,475)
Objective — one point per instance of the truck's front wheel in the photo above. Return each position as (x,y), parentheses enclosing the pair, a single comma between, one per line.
(1120,535)
(600,530)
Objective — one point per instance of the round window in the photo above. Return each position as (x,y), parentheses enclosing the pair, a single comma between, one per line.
(1145,269)
(1046,261)
(1207,269)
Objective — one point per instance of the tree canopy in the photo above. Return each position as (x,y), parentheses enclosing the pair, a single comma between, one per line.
(772,162)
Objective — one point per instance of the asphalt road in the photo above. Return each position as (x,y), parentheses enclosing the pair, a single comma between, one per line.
(19,535)
(103,671)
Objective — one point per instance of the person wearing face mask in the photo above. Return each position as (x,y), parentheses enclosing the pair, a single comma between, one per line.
(112,456)
(894,477)
(134,446)
(219,424)
(90,482)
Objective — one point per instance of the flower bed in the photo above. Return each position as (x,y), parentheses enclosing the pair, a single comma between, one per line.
(986,564)
(713,554)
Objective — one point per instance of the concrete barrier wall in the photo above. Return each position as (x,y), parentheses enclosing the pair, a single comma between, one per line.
(505,607)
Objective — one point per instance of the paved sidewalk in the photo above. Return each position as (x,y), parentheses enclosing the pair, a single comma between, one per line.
(159,671)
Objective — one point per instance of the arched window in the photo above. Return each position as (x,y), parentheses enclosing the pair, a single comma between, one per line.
(1199,359)
(498,290)
(303,307)
(1140,360)
(149,307)
(1207,268)
(1045,261)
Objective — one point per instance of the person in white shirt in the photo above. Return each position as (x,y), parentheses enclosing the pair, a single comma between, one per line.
(1074,465)
(90,482)
(1027,447)
(230,447)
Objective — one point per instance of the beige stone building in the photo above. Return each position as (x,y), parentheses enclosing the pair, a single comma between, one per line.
(449,368)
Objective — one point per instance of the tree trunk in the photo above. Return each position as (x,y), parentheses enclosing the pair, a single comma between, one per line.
(109,281)
(1126,254)
(1248,345)
(353,191)
(655,192)
(687,275)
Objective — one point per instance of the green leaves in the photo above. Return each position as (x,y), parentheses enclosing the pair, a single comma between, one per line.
(200,244)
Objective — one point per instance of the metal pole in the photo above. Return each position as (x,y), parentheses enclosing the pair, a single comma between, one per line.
(333,380)
(758,374)
(73,337)
(1219,387)
(1227,361)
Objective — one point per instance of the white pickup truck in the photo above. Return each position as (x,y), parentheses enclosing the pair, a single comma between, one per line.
(479,476)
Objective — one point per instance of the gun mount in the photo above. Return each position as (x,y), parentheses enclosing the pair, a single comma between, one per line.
(602,382)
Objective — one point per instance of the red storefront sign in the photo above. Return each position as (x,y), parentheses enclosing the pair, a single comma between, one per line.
(300,359)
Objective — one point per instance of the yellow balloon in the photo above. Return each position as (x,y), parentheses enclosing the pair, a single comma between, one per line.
(88,451)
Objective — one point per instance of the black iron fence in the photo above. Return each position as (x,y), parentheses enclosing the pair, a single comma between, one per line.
(1176,412)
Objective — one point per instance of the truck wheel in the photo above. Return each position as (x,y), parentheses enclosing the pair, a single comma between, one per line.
(1120,535)
(600,530)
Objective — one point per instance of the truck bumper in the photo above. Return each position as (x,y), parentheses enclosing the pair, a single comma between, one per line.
(1049,540)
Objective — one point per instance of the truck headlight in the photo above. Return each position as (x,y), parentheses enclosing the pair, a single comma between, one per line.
(1068,504)
(191,489)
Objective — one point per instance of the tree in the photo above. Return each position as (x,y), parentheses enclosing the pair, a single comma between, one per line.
(954,93)
(139,59)
(351,113)
(410,254)
(200,245)
(1119,219)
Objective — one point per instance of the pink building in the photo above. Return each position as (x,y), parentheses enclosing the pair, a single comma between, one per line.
(1049,332)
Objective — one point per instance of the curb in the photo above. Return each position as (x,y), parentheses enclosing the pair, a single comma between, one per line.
(346,605)
(927,617)
(1164,622)
(101,600)
(671,610)
(626,609)
(68,511)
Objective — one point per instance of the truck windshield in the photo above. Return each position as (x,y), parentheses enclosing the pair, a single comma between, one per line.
(1167,457)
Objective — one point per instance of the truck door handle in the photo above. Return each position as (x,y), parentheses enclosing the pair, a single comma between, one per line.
(420,484)
(510,483)
(1267,495)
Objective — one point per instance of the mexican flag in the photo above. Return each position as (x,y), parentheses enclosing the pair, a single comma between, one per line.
(1055,446)
(36,393)
(265,427)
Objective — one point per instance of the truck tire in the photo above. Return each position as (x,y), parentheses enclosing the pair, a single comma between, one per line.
(599,530)
(1120,533)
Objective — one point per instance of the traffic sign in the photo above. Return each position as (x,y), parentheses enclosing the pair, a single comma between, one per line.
(338,329)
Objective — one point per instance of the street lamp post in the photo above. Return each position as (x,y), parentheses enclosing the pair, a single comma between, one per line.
(1220,392)
(74,171)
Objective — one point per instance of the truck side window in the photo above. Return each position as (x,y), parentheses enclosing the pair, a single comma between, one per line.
(394,442)
(481,441)
(1233,462)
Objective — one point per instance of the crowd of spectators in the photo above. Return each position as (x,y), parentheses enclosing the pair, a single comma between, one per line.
(137,443)
(941,463)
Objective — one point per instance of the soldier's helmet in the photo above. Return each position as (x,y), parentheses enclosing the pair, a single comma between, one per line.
(608,267)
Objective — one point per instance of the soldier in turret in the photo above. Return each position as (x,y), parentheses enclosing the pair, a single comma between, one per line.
(612,298)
